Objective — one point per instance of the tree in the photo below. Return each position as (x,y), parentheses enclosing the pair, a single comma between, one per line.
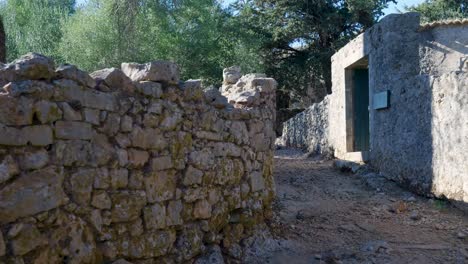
(432,10)
(2,42)
(199,35)
(34,26)
(299,37)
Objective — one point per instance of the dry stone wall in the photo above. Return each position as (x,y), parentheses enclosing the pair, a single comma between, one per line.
(129,164)
(309,130)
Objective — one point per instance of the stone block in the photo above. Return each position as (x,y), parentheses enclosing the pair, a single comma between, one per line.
(203,159)
(74,237)
(73,153)
(137,158)
(36,89)
(209,135)
(81,184)
(171,120)
(151,244)
(136,227)
(32,193)
(102,150)
(239,131)
(101,200)
(150,120)
(33,160)
(95,218)
(147,138)
(216,99)
(155,216)
(86,97)
(192,194)
(136,180)
(127,205)
(119,178)
(11,136)
(2,245)
(214,255)
(202,209)
(156,71)
(38,135)
(71,72)
(161,163)
(73,130)
(111,125)
(155,108)
(150,89)
(122,140)
(92,116)
(174,213)
(70,114)
(26,238)
(102,179)
(33,66)
(260,142)
(8,169)
(47,112)
(122,157)
(114,78)
(190,242)
(126,123)
(15,111)
(257,183)
(231,75)
(160,186)
(192,176)
(193,84)
(226,149)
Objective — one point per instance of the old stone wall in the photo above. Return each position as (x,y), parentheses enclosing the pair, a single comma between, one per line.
(283,115)
(309,130)
(129,163)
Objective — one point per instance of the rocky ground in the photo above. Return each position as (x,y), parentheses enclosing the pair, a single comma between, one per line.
(324,215)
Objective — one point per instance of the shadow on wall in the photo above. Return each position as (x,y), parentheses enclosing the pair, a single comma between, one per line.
(420,140)
(446,54)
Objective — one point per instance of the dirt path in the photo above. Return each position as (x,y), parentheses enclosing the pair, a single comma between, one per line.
(323,215)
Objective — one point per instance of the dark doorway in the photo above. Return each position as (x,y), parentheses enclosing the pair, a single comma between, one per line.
(361,109)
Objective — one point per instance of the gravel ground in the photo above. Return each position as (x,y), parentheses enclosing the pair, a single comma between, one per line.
(324,215)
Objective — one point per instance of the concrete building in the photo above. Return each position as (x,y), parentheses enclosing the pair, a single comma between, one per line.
(399,102)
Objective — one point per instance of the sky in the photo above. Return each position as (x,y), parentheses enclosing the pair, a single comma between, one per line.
(401,5)
(391,9)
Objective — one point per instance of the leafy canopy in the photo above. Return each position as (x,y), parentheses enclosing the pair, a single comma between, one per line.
(34,25)
(200,35)
(432,10)
(299,37)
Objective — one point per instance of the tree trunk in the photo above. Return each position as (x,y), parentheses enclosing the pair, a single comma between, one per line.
(2,42)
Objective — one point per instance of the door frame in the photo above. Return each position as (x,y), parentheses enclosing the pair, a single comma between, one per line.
(349,104)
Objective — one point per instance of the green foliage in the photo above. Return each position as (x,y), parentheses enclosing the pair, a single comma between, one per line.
(34,25)
(433,10)
(299,37)
(196,34)
(199,35)
(289,40)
